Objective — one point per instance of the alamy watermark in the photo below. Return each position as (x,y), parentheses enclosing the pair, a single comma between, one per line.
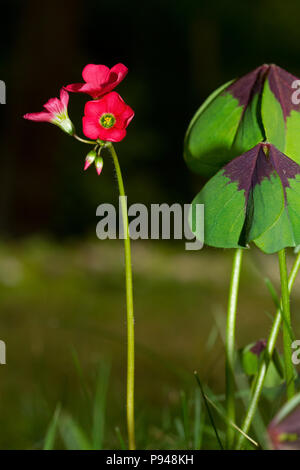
(163,221)
(2,352)
(295,98)
(296,353)
(2,92)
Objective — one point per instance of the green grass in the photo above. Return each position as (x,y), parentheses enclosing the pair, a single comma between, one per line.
(62,316)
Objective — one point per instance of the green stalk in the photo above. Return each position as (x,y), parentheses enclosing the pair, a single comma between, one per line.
(287,340)
(259,382)
(84,141)
(129,301)
(230,344)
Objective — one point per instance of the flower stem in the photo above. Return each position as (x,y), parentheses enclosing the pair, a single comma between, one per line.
(129,301)
(287,340)
(259,382)
(230,344)
(84,141)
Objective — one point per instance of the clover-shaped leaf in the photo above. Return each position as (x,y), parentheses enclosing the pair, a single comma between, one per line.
(280,111)
(240,114)
(255,197)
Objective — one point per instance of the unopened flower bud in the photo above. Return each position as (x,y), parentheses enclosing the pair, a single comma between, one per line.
(99,164)
(89,159)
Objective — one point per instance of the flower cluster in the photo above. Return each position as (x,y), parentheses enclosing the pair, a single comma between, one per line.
(105,118)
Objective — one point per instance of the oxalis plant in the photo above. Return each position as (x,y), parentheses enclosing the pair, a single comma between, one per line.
(245,140)
(105,120)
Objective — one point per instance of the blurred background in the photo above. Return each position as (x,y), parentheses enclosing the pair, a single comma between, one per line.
(62,310)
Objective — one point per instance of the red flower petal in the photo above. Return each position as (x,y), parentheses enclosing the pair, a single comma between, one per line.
(96,74)
(64,97)
(111,135)
(43,117)
(117,73)
(99,79)
(91,127)
(125,118)
(95,109)
(88,88)
(114,103)
(75,87)
(54,106)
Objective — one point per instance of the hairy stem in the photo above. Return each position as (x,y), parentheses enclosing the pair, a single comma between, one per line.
(230,344)
(129,301)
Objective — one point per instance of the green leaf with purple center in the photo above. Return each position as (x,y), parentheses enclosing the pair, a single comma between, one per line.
(262,105)
(249,359)
(226,125)
(280,111)
(254,198)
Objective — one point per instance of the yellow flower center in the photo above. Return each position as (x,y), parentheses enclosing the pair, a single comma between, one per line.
(107,120)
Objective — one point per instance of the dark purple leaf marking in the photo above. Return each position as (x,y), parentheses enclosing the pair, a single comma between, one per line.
(259,347)
(284,166)
(246,87)
(280,82)
(259,163)
(250,169)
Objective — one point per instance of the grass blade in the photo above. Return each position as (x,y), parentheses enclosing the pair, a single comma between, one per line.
(208,411)
(73,435)
(185,416)
(80,373)
(99,406)
(52,429)
(199,421)
(120,437)
(207,401)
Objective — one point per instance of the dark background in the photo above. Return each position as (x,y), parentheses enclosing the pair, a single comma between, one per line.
(61,289)
(177,53)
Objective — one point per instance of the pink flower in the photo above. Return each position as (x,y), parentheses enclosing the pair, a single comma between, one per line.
(56,113)
(107,119)
(99,79)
